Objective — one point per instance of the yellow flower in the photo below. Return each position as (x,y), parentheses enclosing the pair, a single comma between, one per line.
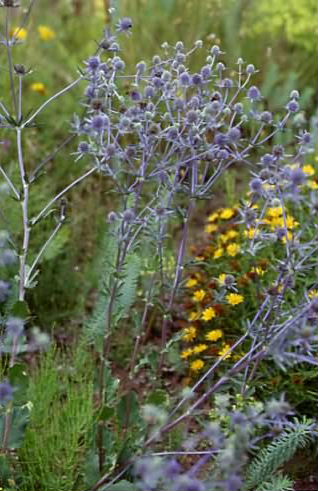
(197,365)
(194,316)
(198,296)
(223,238)
(313,294)
(213,217)
(186,353)
(257,270)
(38,87)
(19,33)
(233,249)
(312,184)
(208,314)
(276,222)
(225,352)
(210,228)
(191,282)
(251,233)
(309,170)
(227,213)
(46,33)
(234,298)
(218,253)
(199,348)
(232,234)
(189,333)
(291,222)
(274,212)
(214,335)
(221,279)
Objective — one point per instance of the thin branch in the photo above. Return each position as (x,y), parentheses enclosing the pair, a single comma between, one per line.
(59,195)
(42,251)
(10,183)
(52,99)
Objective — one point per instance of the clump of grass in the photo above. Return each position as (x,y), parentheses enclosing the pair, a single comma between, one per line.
(58,435)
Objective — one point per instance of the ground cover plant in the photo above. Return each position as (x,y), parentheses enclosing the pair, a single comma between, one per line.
(101,407)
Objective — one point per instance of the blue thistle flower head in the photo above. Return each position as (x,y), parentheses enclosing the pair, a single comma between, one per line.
(125,25)
(254,93)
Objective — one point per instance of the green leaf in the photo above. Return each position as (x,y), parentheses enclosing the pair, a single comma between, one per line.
(158,397)
(128,409)
(106,413)
(20,309)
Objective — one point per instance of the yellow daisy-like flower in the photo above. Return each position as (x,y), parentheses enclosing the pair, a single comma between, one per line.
(221,279)
(274,212)
(223,238)
(198,296)
(199,348)
(194,316)
(196,365)
(225,352)
(210,228)
(189,333)
(309,170)
(19,33)
(191,282)
(276,222)
(186,353)
(234,298)
(38,87)
(208,314)
(251,233)
(232,234)
(291,222)
(313,294)
(257,270)
(46,33)
(214,335)
(233,249)
(227,213)
(218,253)
(312,184)
(213,217)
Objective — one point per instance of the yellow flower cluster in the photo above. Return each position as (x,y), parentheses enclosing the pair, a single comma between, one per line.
(212,299)
(46,33)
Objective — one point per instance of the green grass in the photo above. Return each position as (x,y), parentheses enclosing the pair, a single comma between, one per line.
(58,435)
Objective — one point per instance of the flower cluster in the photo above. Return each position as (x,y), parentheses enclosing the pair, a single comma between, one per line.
(235,268)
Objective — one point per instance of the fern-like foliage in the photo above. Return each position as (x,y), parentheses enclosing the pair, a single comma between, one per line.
(279,482)
(104,264)
(279,452)
(125,292)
